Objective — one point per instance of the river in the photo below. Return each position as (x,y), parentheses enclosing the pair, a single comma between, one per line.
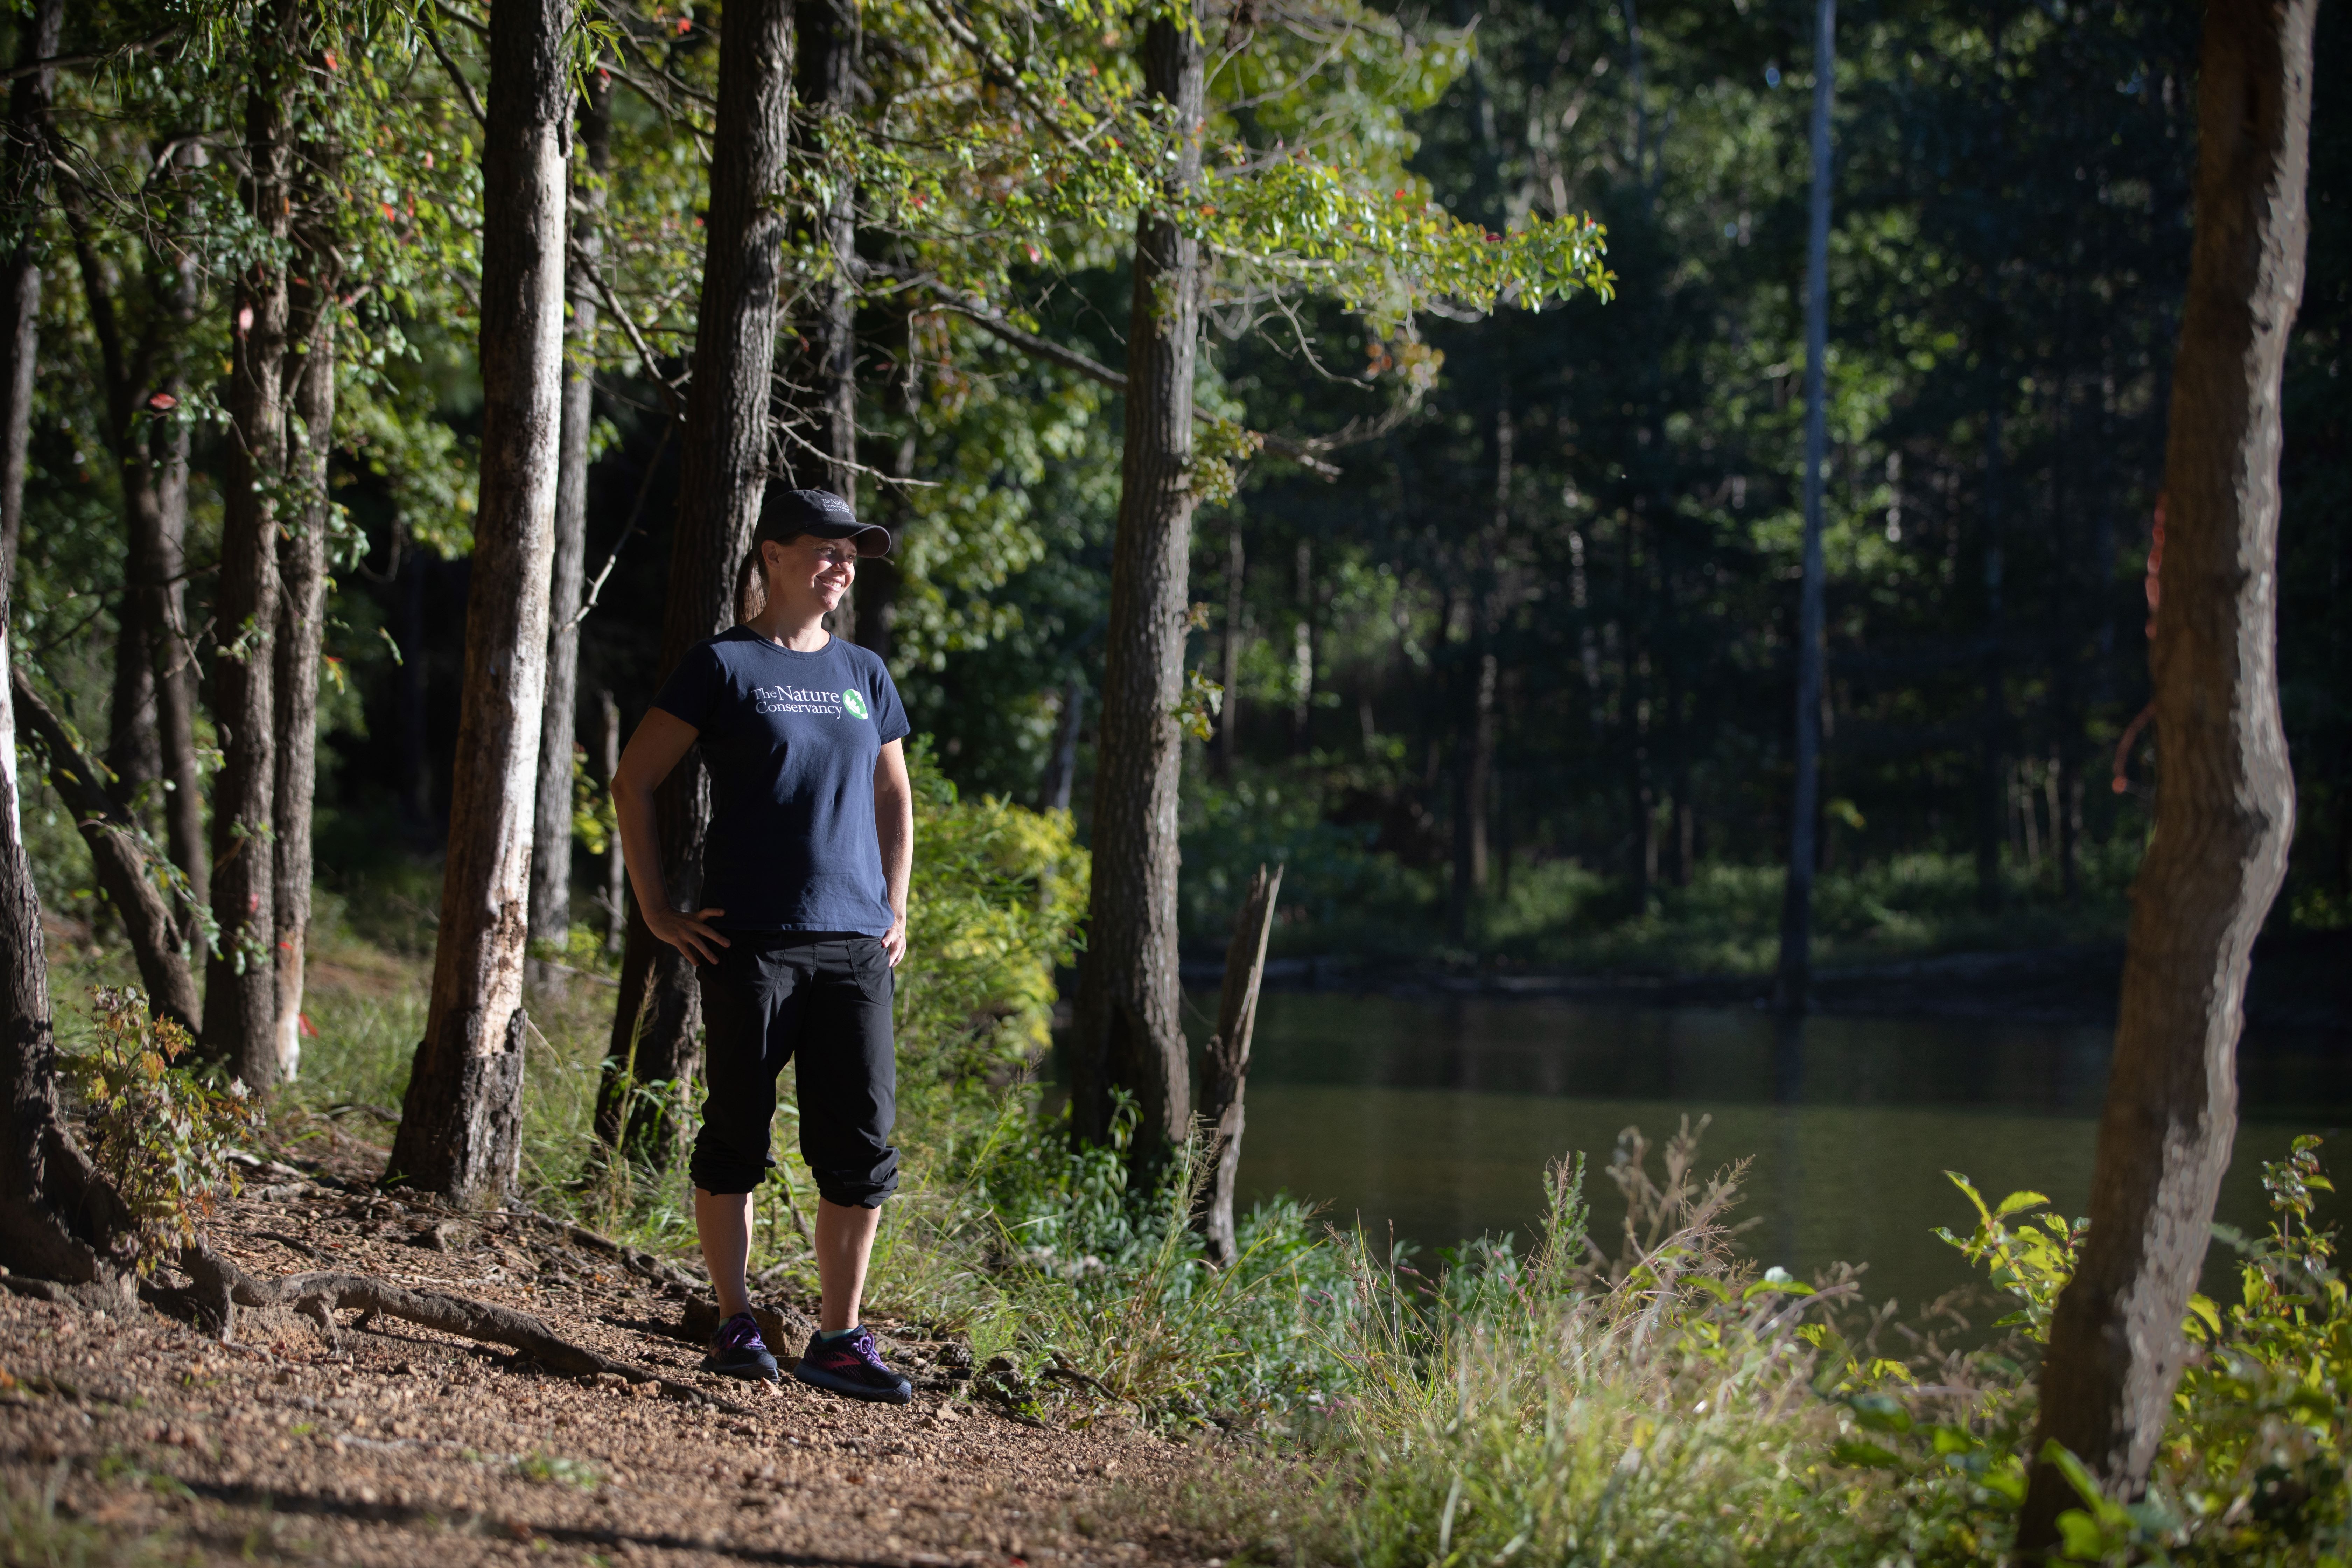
(1436,1115)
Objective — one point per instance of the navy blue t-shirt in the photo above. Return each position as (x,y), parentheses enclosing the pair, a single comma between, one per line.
(791,739)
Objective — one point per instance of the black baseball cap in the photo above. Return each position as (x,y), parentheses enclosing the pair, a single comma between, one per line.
(786,514)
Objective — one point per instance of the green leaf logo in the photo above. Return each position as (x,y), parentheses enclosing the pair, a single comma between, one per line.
(855,700)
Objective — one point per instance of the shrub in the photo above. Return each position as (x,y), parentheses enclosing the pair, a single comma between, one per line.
(159,1131)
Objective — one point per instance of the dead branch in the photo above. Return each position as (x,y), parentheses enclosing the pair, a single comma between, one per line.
(223,1287)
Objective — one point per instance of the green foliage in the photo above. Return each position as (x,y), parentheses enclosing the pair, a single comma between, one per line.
(159,1131)
(994,906)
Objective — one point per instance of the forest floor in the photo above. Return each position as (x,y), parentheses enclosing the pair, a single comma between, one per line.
(141,1439)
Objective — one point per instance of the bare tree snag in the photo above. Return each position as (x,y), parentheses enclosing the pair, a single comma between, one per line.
(1225,1067)
(2225,798)
(1129,1035)
(551,851)
(302,630)
(460,1127)
(119,851)
(240,1022)
(723,467)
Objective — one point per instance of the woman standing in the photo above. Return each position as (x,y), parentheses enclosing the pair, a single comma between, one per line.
(805,866)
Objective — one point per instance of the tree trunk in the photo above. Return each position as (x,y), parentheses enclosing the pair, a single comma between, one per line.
(1793,983)
(1229,649)
(1062,768)
(1993,724)
(1129,1036)
(302,630)
(109,821)
(828,44)
(723,467)
(240,982)
(550,852)
(58,1219)
(616,875)
(460,1128)
(826,65)
(118,852)
(25,165)
(1224,1065)
(2225,797)
(171,650)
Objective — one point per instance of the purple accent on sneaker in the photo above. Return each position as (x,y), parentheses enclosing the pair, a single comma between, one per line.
(738,1350)
(851,1366)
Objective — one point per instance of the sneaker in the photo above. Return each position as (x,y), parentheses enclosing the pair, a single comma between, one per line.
(738,1350)
(851,1366)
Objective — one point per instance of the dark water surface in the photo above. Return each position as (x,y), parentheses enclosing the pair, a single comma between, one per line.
(1436,1115)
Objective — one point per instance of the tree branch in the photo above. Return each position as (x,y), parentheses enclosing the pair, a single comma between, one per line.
(1303,453)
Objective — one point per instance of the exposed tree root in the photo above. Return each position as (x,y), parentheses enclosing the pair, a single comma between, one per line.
(221,1287)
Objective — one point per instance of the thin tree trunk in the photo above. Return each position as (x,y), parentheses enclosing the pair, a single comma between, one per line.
(2225,797)
(1793,979)
(1993,723)
(301,631)
(828,43)
(617,876)
(825,61)
(25,166)
(133,753)
(58,1219)
(1062,768)
(171,650)
(460,1127)
(1129,1033)
(1229,732)
(723,467)
(1224,1064)
(550,852)
(240,982)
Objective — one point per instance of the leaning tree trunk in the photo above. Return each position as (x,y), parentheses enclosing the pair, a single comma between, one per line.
(119,854)
(2225,798)
(461,1125)
(723,464)
(1129,1035)
(240,981)
(550,842)
(301,628)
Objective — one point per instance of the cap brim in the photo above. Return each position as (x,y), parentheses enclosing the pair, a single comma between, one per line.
(872,539)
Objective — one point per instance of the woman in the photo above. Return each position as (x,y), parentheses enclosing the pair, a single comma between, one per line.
(804,870)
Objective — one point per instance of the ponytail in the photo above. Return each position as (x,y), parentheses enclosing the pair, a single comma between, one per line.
(751,586)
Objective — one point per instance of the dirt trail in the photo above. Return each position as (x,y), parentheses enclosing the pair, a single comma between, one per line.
(412,1445)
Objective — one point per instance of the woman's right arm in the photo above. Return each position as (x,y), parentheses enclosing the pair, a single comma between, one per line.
(661,738)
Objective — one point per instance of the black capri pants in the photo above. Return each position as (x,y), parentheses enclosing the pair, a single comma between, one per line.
(820,999)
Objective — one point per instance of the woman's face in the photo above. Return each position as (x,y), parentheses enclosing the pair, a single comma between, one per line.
(807,573)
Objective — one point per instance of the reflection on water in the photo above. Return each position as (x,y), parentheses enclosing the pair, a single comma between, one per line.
(1436,1117)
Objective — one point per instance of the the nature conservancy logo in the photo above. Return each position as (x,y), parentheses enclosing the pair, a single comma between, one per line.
(802,700)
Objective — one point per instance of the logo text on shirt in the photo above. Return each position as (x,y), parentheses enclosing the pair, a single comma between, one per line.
(799,700)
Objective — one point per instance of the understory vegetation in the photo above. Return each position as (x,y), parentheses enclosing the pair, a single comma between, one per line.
(1649,1396)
